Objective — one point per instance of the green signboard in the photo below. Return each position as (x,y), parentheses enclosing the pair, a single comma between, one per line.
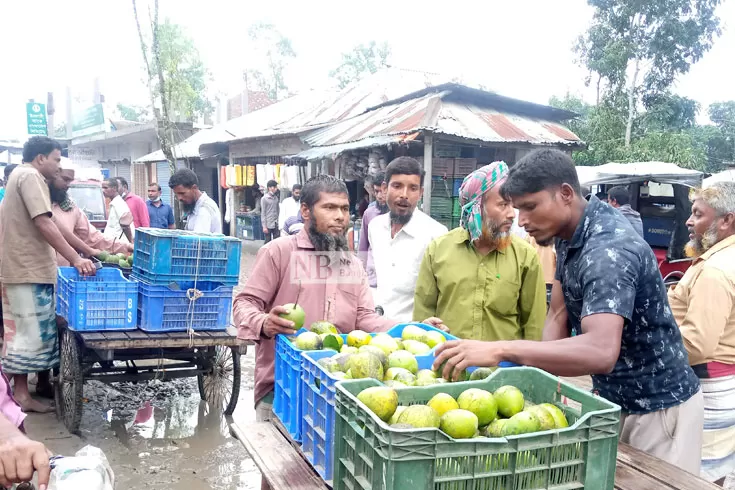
(89,121)
(36,117)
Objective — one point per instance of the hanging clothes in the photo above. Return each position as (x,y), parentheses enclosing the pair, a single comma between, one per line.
(261,175)
(229,205)
(231,176)
(250,175)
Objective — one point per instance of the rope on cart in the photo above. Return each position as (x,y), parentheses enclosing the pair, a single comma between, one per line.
(192,295)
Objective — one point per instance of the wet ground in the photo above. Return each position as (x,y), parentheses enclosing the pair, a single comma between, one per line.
(159,435)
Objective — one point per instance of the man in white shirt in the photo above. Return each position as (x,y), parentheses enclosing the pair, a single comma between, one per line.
(202,214)
(120,225)
(290,207)
(400,237)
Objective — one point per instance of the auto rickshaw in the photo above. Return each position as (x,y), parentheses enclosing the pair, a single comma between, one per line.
(660,193)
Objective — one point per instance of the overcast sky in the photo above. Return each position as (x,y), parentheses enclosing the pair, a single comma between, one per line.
(519,48)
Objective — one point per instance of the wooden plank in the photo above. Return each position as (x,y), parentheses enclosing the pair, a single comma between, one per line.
(158,341)
(92,336)
(627,478)
(279,463)
(660,470)
(138,335)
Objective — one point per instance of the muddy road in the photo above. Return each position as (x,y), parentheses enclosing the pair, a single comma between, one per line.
(159,435)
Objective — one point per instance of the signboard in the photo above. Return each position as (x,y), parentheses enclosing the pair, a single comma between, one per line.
(36,117)
(84,156)
(89,121)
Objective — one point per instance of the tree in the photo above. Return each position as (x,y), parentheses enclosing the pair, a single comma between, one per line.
(666,111)
(723,115)
(175,76)
(362,60)
(641,47)
(275,51)
(133,113)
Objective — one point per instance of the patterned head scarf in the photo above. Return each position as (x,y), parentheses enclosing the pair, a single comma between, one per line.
(473,188)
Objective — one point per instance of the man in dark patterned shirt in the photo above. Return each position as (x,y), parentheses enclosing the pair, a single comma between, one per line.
(609,315)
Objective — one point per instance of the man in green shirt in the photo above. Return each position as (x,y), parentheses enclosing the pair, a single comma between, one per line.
(481,281)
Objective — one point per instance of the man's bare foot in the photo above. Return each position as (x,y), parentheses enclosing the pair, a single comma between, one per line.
(30,405)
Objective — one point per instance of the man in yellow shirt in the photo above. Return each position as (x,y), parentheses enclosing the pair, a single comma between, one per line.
(483,282)
(703,304)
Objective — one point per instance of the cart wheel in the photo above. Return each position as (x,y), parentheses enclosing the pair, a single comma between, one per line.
(70,384)
(220,387)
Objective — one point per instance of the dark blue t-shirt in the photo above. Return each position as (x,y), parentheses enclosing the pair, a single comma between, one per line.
(161,216)
(608,268)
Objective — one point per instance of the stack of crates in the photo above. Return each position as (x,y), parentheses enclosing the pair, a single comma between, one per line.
(185,279)
(447,177)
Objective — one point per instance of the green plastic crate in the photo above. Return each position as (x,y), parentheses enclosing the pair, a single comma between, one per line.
(456,209)
(441,206)
(369,455)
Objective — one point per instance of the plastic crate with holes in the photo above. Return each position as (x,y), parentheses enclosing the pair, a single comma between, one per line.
(287,398)
(105,301)
(179,306)
(287,393)
(165,256)
(371,455)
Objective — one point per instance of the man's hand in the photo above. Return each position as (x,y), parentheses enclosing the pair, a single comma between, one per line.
(94,252)
(130,248)
(265,230)
(20,457)
(274,324)
(436,323)
(461,354)
(84,266)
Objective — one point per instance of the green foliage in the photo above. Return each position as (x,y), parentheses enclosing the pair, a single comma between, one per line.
(133,113)
(362,60)
(184,74)
(667,131)
(639,48)
(723,115)
(275,51)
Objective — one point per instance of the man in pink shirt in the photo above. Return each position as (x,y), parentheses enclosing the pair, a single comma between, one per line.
(68,215)
(280,276)
(20,457)
(137,205)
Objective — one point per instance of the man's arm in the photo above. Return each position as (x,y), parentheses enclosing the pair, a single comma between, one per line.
(555,327)
(92,236)
(76,242)
(364,244)
(426,295)
(532,300)
(171,219)
(53,236)
(252,305)
(20,457)
(282,216)
(264,214)
(595,351)
(125,221)
(710,306)
(145,218)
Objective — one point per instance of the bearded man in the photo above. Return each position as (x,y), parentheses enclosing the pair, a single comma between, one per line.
(482,281)
(703,304)
(400,237)
(313,269)
(68,215)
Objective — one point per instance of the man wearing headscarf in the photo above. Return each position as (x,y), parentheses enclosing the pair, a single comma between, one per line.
(480,280)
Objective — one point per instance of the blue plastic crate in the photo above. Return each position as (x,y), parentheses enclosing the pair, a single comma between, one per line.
(167,309)
(317,408)
(397,331)
(457,185)
(165,256)
(106,301)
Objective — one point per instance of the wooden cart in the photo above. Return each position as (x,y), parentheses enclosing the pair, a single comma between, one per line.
(213,357)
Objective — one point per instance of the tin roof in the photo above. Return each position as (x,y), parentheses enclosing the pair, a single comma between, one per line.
(446,114)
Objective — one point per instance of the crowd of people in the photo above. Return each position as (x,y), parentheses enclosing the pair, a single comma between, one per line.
(42,228)
(527,234)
